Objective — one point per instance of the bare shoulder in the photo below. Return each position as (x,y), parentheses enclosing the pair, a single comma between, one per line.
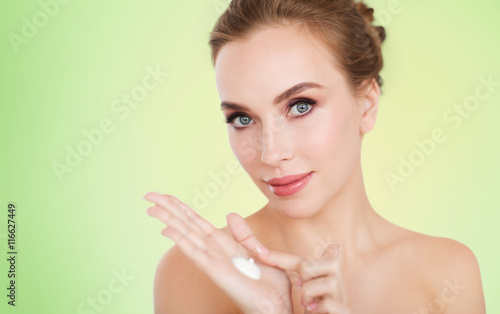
(180,287)
(450,269)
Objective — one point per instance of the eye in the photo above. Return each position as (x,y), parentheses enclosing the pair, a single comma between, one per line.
(239,120)
(243,120)
(300,107)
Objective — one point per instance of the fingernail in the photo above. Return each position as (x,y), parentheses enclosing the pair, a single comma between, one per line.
(262,250)
(312,306)
(333,249)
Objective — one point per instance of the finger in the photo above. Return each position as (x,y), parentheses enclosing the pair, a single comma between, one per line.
(295,279)
(323,287)
(182,211)
(332,251)
(312,268)
(242,233)
(308,267)
(328,305)
(328,263)
(282,260)
(321,270)
(170,203)
(215,240)
(171,220)
(205,226)
(209,261)
(215,243)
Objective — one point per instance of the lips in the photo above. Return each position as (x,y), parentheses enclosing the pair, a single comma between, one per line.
(289,185)
(287,179)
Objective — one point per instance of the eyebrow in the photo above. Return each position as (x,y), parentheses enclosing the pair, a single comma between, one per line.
(283,96)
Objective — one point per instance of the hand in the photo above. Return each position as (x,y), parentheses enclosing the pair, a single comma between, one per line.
(212,250)
(320,279)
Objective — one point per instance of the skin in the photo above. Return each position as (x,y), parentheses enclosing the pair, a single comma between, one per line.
(381,267)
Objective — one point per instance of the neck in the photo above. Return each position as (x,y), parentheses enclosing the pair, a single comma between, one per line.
(347,218)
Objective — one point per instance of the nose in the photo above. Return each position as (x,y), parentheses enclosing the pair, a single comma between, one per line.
(276,147)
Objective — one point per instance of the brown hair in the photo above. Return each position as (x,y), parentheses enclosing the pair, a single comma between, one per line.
(343,25)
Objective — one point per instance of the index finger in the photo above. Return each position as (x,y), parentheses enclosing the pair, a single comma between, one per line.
(181,210)
(281,259)
(242,232)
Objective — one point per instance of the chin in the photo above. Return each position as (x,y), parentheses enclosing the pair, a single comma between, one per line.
(298,214)
(293,208)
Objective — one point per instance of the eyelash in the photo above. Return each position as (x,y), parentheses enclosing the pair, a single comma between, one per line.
(308,101)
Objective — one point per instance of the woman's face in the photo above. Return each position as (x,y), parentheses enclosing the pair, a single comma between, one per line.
(315,128)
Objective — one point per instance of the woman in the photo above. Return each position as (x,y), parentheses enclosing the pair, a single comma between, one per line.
(299,83)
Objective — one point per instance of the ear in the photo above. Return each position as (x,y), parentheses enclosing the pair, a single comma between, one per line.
(369,107)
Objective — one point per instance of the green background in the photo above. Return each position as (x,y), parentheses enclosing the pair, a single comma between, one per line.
(77,230)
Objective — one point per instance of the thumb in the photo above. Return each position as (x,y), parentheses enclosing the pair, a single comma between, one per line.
(332,251)
(242,233)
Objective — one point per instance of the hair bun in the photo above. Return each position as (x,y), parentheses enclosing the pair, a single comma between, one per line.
(381,32)
(344,26)
(367,14)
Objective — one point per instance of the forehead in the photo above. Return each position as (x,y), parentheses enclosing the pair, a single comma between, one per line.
(270,61)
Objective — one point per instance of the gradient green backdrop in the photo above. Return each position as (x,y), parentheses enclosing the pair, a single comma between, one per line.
(76,231)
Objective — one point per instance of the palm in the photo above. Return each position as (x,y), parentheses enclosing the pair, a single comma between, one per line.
(212,251)
(271,290)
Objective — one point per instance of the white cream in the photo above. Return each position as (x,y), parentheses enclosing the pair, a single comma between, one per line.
(247,267)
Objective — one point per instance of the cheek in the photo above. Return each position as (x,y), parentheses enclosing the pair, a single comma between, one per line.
(332,142)
(243,146)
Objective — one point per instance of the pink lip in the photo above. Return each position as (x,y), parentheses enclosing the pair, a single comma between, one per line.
(289,185)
